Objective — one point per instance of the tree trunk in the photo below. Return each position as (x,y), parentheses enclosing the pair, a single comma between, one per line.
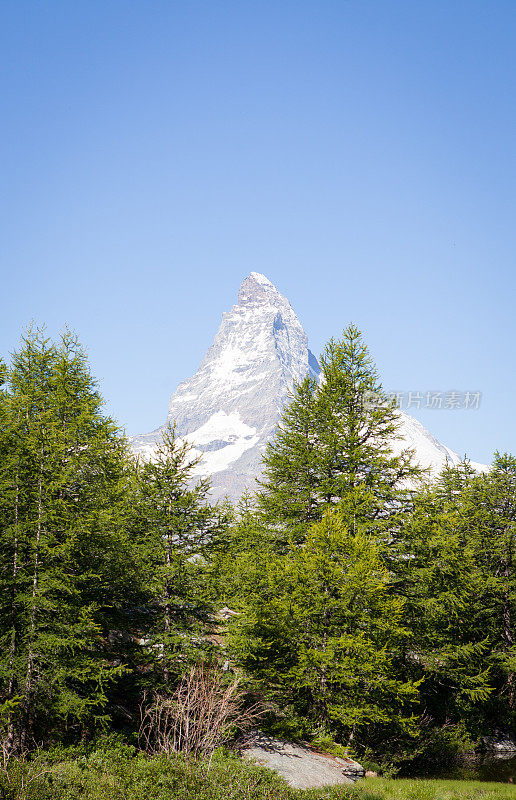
(507,627)
(27,720)
(168,612)
(12,652)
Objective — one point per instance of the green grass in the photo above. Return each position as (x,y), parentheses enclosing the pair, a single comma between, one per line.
(123,774)
(415,789)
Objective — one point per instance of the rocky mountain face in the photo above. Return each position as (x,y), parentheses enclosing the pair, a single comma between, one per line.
(229,409)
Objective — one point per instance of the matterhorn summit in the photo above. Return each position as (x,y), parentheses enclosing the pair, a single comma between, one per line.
(230,408)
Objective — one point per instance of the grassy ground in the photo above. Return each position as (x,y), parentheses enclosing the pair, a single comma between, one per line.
(122,774)
(411,789)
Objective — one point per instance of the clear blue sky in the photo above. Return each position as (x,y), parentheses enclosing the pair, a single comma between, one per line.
(360,153)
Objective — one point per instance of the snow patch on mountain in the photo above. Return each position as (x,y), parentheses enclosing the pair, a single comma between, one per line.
(222,440)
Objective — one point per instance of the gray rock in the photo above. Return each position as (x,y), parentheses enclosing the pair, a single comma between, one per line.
(299,764)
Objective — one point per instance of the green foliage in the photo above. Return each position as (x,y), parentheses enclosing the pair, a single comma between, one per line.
(433,644)
(247,542)
(321,630)
(103,561)
(407,789)
(334,437)
(121,774)
(180,531)
(68,565)
(455,567)
(375,613)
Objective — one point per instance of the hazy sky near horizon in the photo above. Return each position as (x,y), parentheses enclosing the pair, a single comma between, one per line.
(359,153)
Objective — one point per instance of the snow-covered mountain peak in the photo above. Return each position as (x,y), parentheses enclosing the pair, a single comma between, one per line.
(257,289)
(260,278)
(230,408)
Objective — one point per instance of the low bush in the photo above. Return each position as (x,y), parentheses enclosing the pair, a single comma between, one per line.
(119,772)
(123,774)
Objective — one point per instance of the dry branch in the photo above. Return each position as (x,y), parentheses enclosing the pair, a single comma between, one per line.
(203,713)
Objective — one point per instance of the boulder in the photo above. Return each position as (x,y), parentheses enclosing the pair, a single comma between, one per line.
(301,765)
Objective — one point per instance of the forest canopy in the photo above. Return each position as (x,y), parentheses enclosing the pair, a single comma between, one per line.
(371,607)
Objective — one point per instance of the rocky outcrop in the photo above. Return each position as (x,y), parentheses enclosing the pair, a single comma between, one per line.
(299,764)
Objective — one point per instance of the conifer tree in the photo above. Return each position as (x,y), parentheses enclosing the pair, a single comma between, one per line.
(334,437)
(489,505)
(320,630)
(247,540)
(66,561)
(448,605)
(456,570)
(181,530)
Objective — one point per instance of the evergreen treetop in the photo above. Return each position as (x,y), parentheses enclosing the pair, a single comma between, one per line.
(335,436)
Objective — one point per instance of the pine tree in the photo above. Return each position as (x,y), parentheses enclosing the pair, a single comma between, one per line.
(291,487)
(181,530)
(456,569)
(66,562)
(247,540)
(334,437)
(449,602)
(320,630)
(489,506)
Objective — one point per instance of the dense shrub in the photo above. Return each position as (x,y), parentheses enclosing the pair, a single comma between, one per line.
(119,772)
(122,774)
